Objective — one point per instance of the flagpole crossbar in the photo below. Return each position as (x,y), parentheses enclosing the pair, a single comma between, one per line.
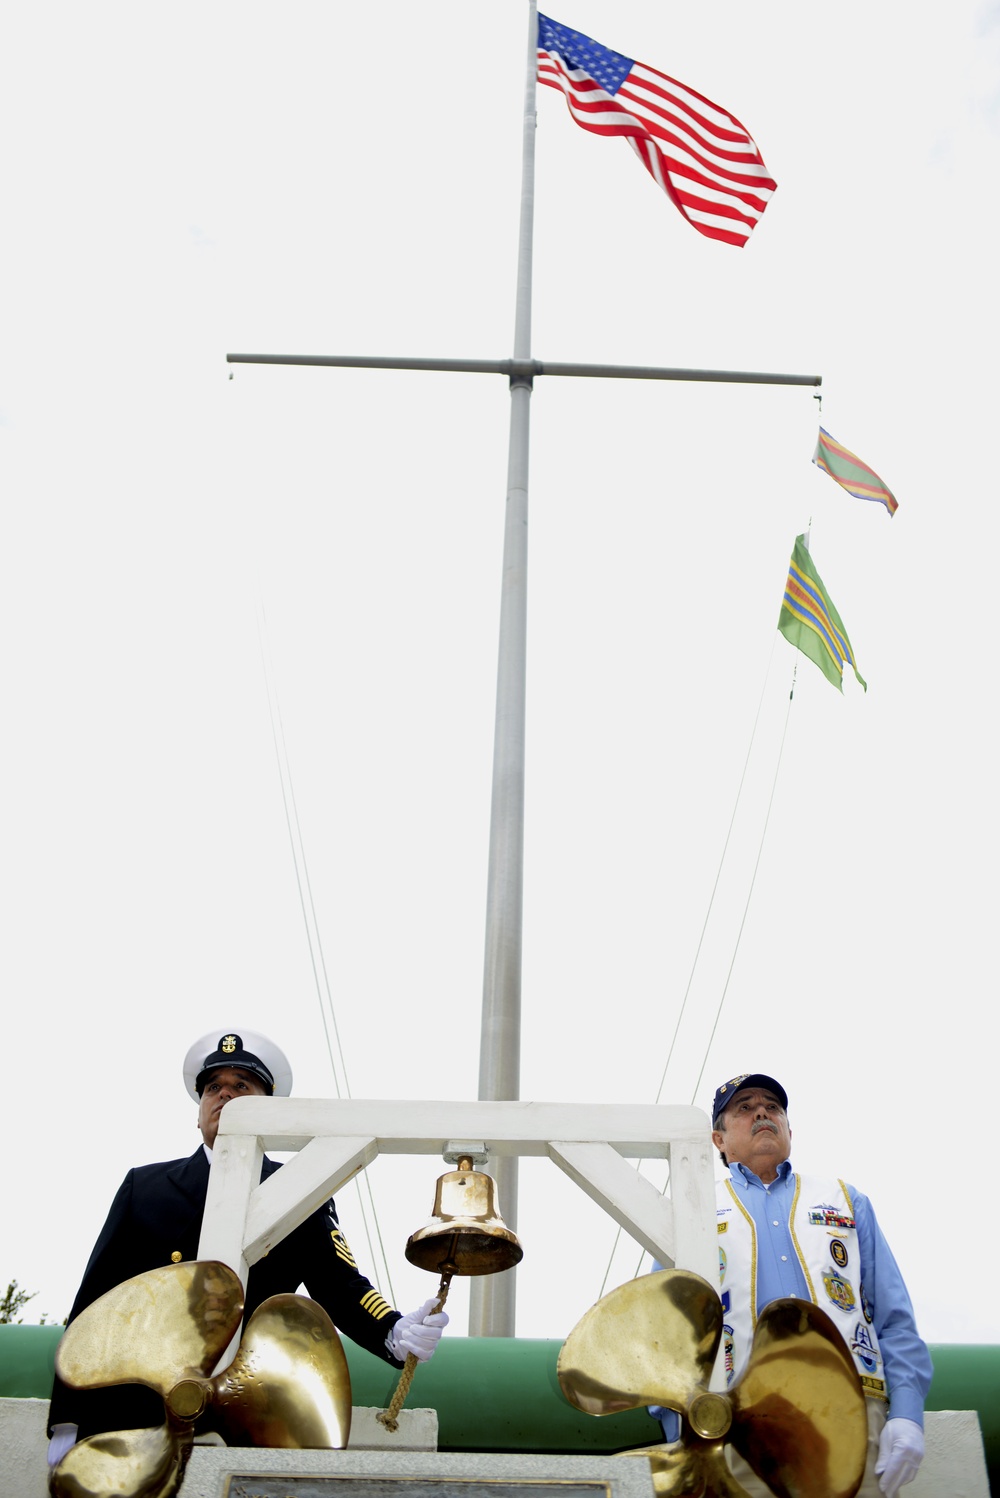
(524,371)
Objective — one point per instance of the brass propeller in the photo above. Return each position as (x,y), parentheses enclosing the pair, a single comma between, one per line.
(796,1414)
(288,1384)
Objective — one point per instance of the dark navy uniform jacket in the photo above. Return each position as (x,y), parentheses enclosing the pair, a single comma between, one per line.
(155,1219)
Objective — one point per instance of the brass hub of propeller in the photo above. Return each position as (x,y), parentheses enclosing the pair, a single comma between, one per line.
(710,1415)
(187,1399)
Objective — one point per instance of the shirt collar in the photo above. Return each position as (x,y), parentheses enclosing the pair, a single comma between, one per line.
(743,1177)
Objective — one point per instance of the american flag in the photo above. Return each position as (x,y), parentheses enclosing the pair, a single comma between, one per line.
(701,156)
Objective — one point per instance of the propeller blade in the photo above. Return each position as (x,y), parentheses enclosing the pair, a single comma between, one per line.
(289,1383)
(154,1329)
(651,1341)
(696,1469)
(799,1417)
(122,1464)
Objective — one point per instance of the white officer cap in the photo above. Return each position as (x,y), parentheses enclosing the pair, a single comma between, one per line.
(245,1049)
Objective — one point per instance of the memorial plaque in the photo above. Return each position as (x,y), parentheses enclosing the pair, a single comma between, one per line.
(274,1486)
(232,1472)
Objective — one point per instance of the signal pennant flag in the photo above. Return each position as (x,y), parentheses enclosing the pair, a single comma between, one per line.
(700,154)
(809,621)
(846,469)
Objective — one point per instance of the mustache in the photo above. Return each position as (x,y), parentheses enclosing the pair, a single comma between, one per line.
(763,1123)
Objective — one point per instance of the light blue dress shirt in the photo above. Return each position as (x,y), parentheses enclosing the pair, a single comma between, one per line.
(907,1362)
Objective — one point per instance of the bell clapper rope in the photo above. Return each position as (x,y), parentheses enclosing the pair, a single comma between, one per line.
(390,1417)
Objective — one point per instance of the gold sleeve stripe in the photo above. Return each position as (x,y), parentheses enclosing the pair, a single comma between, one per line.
(373,1303)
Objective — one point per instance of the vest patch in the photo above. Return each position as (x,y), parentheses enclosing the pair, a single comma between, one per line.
(864,1347)
(840,1291)
(838,1253)
(727,1343)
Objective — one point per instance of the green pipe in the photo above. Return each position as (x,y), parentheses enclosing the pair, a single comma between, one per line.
(26,1357)
(501,1394)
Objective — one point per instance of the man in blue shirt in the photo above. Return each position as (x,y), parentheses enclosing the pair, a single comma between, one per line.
(784,1234)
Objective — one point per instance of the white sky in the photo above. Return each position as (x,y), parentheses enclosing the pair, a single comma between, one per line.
(183,181)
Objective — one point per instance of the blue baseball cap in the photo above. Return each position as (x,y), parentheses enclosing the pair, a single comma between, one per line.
(725,1094)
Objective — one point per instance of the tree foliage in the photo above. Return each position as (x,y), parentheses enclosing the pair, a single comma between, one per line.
(14,1299)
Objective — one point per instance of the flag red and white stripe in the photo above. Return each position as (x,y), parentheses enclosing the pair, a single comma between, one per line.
(702,157)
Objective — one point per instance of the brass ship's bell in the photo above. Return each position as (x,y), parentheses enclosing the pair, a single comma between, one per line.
(466,1234)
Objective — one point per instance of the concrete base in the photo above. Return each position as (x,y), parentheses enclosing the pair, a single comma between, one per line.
(24,1442)
(214,1473)
(954,1464)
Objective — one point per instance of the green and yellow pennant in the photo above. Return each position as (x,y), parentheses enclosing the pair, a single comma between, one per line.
(809,621)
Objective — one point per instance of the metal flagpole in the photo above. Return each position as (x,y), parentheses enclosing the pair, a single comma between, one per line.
(492,1296)
(491,1302)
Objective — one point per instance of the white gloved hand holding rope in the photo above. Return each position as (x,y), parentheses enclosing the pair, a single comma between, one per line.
(418,1333)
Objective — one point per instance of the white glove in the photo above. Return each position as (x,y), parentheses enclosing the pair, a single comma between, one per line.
(419,1333)
(900,1452)
(63,1437)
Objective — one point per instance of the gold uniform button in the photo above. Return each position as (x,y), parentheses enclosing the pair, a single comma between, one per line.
(176,1256)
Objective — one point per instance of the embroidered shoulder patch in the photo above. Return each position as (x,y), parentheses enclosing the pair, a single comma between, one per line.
(341,1249)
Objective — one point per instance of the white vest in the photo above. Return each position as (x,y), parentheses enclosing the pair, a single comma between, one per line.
(826,1245)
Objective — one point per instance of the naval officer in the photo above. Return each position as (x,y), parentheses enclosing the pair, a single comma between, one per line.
(155,1219)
